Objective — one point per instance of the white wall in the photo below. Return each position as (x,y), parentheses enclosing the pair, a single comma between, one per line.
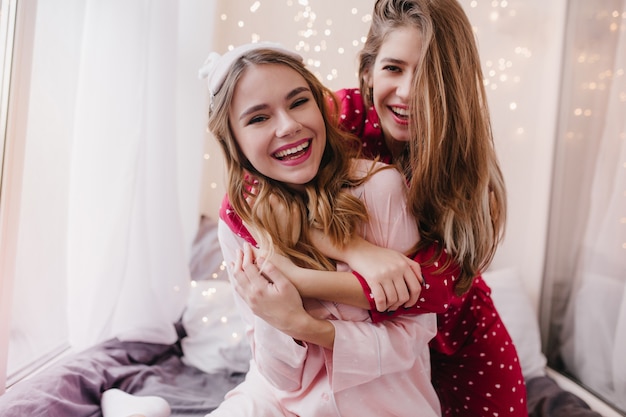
(521,50)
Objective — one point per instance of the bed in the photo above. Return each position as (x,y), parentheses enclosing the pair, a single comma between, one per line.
(73,388)
(211,355)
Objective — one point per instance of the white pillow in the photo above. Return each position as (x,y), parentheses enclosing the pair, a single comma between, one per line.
(216,338)
(518,315)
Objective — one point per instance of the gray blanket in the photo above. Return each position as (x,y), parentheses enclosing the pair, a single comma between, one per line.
(73,387)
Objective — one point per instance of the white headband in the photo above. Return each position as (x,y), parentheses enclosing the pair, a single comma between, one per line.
(216,66)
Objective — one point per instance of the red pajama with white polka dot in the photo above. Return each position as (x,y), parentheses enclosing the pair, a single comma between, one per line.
(475,368)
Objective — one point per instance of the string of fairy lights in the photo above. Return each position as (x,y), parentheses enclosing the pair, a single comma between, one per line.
(317,30)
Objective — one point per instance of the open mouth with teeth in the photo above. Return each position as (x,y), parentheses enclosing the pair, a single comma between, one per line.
(292,153)
(400,113)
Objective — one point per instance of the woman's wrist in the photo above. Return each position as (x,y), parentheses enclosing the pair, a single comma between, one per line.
(331,250)
(356,247)
(307,328)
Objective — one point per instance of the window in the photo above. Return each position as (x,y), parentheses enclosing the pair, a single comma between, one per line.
(32,286)
(7,25)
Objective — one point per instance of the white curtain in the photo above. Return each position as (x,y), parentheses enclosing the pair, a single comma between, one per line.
(127,248)
(588,242)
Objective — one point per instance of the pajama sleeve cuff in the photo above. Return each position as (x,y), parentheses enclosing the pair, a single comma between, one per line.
(367,290)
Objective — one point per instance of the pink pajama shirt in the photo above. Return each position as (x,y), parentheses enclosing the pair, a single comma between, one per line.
(374,369)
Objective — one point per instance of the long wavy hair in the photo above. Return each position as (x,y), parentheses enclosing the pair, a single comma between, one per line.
(457,191)
(282,216)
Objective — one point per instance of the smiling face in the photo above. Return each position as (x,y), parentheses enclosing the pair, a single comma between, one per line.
(277,124)
(391,78)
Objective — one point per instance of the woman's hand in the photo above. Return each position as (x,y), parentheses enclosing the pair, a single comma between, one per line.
(276,301)
(394,279)
(285,266)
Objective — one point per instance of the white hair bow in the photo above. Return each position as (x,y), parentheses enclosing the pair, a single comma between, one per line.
(208,65)
(216,66)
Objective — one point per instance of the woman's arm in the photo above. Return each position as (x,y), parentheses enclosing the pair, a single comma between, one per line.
(394,280)
(372,257)
(284,360)
(436,293)
(334,286)
(375,250)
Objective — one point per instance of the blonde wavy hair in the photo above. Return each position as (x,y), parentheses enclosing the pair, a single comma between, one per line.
(281,216)
(457,191)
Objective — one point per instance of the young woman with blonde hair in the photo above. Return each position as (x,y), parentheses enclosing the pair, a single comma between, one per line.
(289,172)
